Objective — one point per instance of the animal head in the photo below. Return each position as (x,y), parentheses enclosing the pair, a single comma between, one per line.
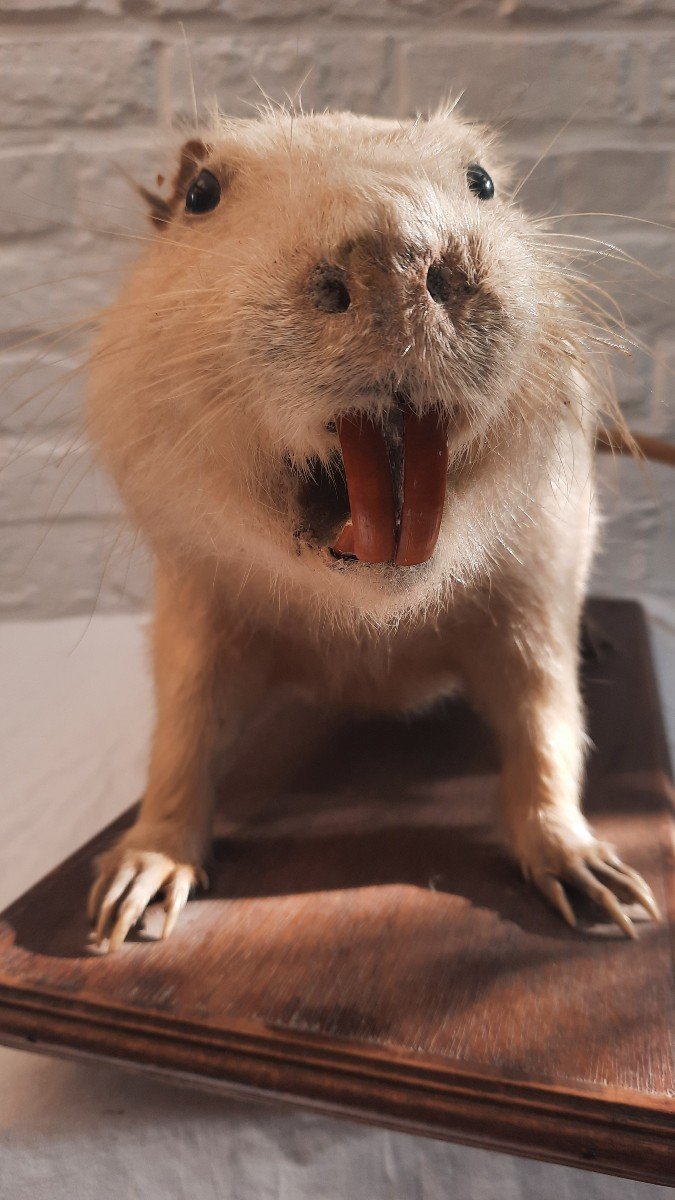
(340,341)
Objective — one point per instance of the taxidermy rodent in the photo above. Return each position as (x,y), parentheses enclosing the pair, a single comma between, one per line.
(347,396)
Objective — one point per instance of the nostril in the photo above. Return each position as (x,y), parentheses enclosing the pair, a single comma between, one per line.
(439,283)
(448,281)
(327,289)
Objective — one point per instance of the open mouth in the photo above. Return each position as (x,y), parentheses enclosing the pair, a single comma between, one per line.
(393,488)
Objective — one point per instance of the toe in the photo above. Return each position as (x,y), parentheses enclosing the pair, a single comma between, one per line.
(586,881)
(146,885)
(177,894)
(632,883)
(117,888)
(555,894)
(96,892)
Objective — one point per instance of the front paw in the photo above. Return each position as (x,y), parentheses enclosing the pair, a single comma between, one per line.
(553,850)
(129,876)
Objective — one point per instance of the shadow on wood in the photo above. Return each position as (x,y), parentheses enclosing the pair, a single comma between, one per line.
(368,948)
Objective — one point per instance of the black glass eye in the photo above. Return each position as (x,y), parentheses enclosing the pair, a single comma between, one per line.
(203,194)
(480,183)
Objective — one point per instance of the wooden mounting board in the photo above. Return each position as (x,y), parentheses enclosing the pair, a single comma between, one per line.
(367,948)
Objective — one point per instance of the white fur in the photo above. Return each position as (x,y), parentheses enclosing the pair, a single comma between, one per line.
(211,389)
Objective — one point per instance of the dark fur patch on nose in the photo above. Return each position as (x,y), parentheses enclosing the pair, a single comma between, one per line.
(380,249)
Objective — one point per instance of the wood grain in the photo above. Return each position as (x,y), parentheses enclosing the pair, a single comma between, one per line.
(368,949)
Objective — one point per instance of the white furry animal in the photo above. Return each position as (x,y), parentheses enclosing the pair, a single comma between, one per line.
(346,396)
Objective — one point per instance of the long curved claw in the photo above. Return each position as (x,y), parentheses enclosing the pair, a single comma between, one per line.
(585,880)
(633,883)
(177,894)
(117,887)
(147,884)
(555,854)
(128,881)
(555,894)
(95,892)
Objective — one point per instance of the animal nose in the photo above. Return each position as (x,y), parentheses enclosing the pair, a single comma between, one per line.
(327,289)
(447,280)
(390,279)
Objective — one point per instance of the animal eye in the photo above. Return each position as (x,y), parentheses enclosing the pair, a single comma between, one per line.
(203,194)
(480,183)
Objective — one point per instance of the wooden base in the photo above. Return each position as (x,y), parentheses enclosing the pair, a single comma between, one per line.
(368,949)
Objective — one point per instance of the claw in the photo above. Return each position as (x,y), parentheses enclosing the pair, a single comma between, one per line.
(147,884)
(177,894)
(555,894)
(95,893)
(633,883)
(117,888)
(128,881)
(586,881)
(554,856)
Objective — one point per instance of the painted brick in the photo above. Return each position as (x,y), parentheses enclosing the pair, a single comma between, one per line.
(567,10)
(531,81)
(73,106)
(41,391)
(634,383)
(341,71)
(630,510)
(52,480)
(613,179)
(552,9)
(637,549)
(37,192)
(89,80)
(663,402)
(62,282)
(636,273)
(271,10)
(641,282)
(184,8)
(65,7)
(652,79)
(453,9)
(660,574)
(106,199)
(248,10)
(70,567)
(261,11)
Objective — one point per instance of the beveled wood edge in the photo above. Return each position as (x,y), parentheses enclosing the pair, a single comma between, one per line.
(227,1089)
(613,1131)
(619,1133)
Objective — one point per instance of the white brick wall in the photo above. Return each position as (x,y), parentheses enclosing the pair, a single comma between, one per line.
(85,84)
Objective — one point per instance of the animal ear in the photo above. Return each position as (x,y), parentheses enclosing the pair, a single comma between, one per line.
(192,155)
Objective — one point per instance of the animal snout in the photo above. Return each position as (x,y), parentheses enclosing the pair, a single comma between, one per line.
(445,279)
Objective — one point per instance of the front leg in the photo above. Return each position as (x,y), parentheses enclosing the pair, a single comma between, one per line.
(166,847)
(523,676)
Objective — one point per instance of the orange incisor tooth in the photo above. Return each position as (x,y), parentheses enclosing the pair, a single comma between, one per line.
(370,534)
(370,488)
(425,481)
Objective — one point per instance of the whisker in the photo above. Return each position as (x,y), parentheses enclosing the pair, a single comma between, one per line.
(542,156)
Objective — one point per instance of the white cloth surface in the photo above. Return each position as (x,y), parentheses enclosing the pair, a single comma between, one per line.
(74,724)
